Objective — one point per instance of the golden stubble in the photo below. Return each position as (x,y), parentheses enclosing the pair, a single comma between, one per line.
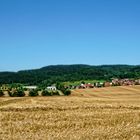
(85,115)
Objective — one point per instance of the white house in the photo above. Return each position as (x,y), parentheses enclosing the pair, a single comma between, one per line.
(30,87)
(52,88)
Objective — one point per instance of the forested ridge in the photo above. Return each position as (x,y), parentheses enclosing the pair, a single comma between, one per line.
(63,73)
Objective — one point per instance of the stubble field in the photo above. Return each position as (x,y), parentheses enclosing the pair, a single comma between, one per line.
(111,113)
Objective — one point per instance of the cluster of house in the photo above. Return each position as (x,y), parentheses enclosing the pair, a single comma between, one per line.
(89,85)
(114,82)
(125,82)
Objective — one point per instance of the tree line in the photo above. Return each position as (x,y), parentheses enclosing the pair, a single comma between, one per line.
(34,93)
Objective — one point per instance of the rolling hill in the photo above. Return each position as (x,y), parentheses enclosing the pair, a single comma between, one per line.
(63,73)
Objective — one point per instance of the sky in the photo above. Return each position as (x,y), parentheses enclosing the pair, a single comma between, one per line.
(37,33)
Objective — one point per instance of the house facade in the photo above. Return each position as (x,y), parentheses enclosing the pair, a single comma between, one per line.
(52,88)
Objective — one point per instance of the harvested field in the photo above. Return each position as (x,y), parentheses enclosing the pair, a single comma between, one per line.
(111,113)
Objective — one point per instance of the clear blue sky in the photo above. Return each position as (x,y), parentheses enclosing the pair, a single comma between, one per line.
(36,33)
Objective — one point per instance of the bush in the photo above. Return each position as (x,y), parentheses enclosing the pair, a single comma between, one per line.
(33,93)
(1,93)
(16,93)
(46,93)
(67,92)
(20,93)
(56,93)
(61,87)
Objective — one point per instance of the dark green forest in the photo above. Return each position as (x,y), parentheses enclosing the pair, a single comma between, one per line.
(64,73)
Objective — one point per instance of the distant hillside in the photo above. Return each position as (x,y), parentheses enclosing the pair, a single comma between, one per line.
(63,73)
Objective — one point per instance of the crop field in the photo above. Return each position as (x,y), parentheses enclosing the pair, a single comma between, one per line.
(111,113)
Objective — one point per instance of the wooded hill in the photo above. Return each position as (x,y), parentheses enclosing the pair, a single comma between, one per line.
(63,73)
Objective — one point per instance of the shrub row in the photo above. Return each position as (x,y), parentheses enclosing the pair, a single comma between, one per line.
(44,93)
(33,93)
(47,93)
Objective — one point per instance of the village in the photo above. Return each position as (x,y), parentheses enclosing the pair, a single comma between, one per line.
(114,82)
(82,85)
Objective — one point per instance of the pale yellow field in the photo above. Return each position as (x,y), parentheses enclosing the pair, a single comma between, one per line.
(104,114)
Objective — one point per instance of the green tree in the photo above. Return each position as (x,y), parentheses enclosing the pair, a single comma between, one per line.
(33,93)
(16,93)
(46,93)
(67,92)
(55,93)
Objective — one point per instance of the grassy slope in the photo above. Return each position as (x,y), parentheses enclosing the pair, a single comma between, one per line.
(76,83)
(107,113)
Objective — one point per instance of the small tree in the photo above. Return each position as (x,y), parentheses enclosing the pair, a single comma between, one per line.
(16,93)
(67,92)
(1,93)
(83,82)
(20,93)
(55,93)
(33,93)
(46,93)
(60,86)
